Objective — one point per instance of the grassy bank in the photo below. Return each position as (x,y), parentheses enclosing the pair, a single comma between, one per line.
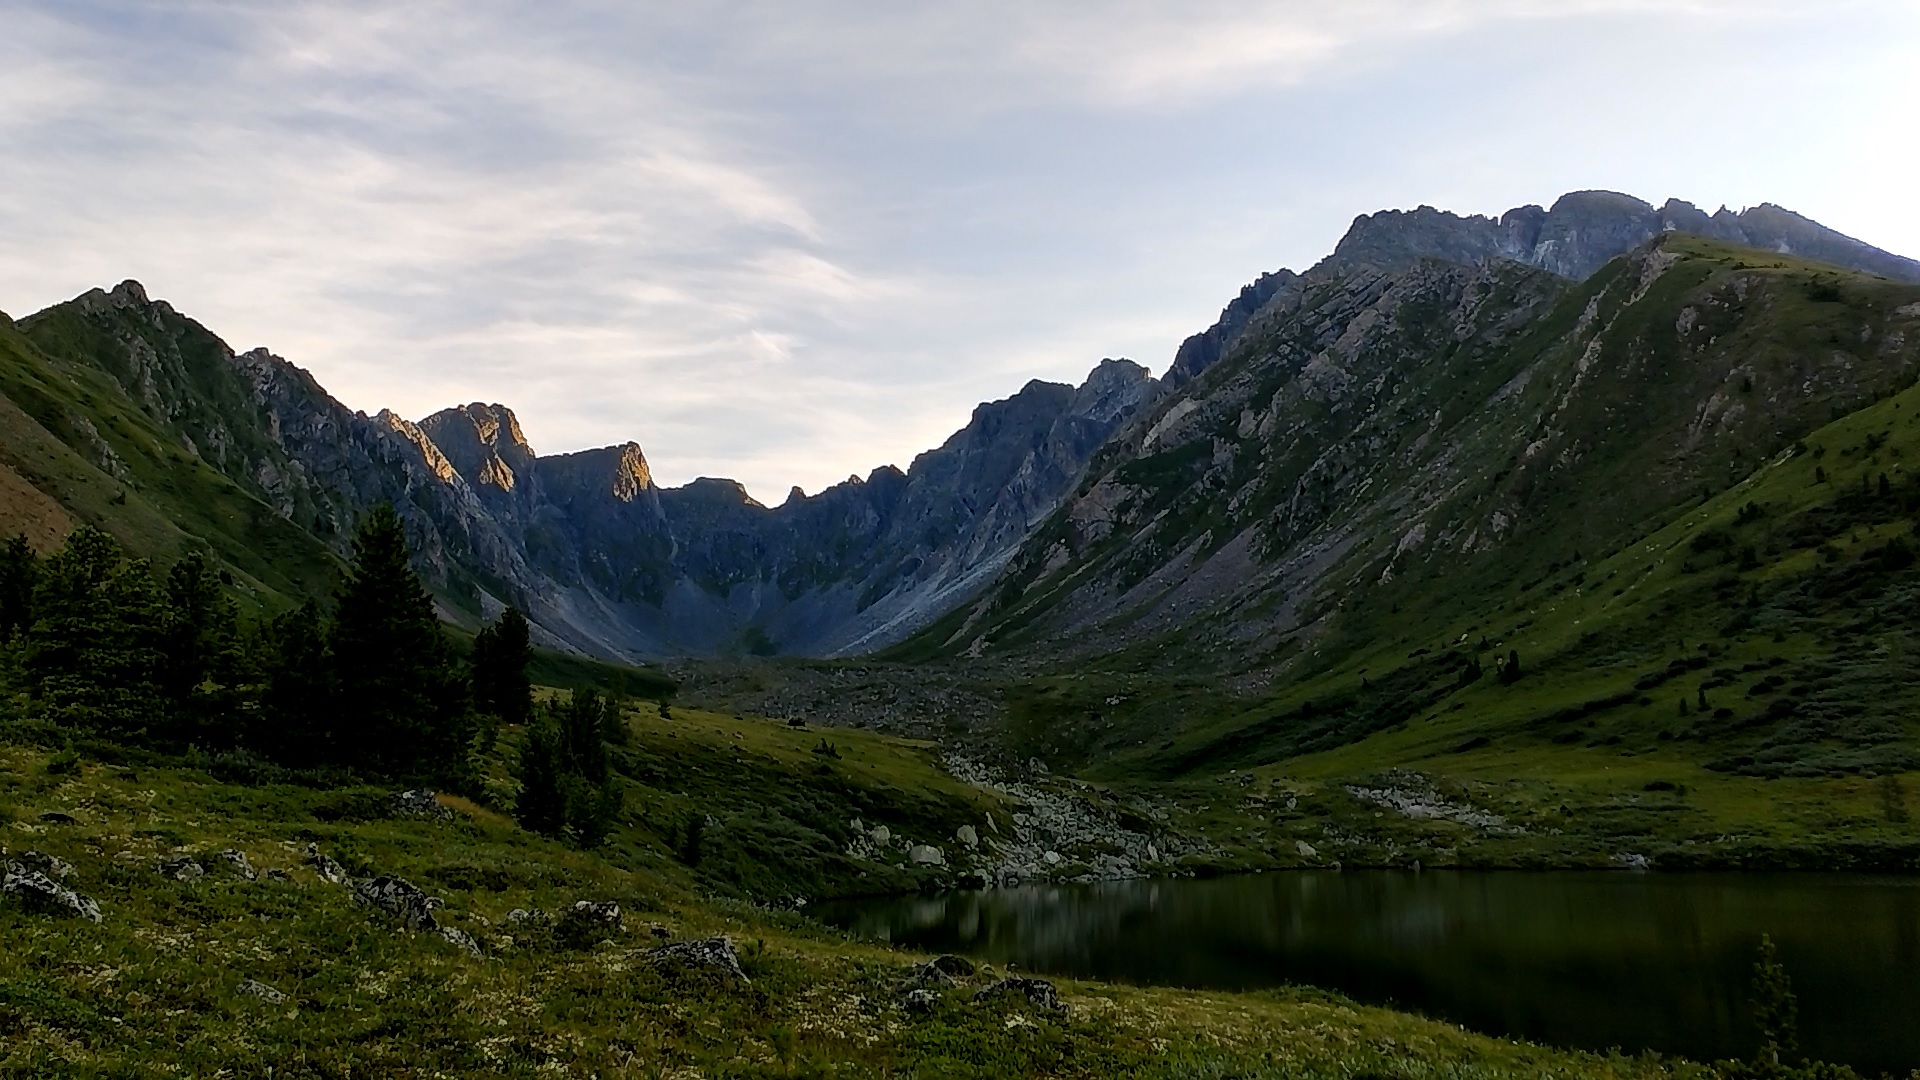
(156,988)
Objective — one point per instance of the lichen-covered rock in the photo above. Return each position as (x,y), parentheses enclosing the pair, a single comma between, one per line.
(1039,993)
(926,855)
(713,954)
(919,1001)
(930,974)
(51,865)
(37,892)
(522,916)
(968,836)
(236,861)
(603,912)
(461,940)
(182,868)
(254,988)
(420,803)
(586,923)
(399,898)
(957,966)
(329,871)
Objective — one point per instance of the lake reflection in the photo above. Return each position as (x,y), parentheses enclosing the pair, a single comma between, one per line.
(1639,961)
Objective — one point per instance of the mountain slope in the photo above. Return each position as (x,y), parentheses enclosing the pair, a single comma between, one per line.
(1396,461)
(601,559)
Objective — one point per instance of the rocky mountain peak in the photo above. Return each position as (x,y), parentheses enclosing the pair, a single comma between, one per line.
(129,295)
(1115,386)
(484,442)
(1584,230)
(718,490)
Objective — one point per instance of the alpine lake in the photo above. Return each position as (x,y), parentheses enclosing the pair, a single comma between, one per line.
(1595,960)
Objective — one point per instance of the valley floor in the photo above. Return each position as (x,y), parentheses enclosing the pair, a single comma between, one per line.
(286,974)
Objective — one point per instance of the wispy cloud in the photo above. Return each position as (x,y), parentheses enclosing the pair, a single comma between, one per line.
(790,242)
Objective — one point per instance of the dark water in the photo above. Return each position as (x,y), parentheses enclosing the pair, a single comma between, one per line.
(1594,960)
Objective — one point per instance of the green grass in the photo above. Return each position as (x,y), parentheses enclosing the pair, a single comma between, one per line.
(154,989)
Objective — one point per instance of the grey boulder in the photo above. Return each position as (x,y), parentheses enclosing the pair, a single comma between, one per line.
(37,892)
(1039,993)
(713,954)
(399,898)
(254,988)
(236,861)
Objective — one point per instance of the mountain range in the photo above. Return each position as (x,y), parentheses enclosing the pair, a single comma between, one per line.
(1440,394)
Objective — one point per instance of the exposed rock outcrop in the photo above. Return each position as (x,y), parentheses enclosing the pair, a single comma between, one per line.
(36,892)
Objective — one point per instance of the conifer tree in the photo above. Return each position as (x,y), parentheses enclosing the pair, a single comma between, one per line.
(18,571)
(294,723)
(566,780)
(501,654)
(200,647)
(402,703)
(541,805)
(92,652)
(1776,1012)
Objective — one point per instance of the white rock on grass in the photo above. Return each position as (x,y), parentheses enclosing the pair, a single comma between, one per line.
(254,988)
(37,892)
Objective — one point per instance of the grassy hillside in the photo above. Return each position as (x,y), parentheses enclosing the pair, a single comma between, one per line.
(161,985)
(70,431)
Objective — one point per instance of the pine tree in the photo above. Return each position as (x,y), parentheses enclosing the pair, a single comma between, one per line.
(501,654)
(294,723)
(200,646)
(92,652)
(1776,1013)
(592,796)
(402,703)
(19,569)
(567,786)
(541,804)
(1510,671)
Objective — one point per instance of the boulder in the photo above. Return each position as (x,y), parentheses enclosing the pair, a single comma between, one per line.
(236,861)
(420,803)
(604,912)
(329,871)
(926,855)
(714,954)
(37,892)
(919,1001)
(957,966)
(524,916)
(51,865)
(930,974)
(1039,992)
(399,898)
(967,836)
(881,836)
(461,939)
(254,988)
(182,868)
(1306,850)
(587,922)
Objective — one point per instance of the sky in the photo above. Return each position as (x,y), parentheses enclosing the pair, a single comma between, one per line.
(786,242)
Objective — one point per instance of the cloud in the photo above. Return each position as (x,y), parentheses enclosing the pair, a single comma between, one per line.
(791,242)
